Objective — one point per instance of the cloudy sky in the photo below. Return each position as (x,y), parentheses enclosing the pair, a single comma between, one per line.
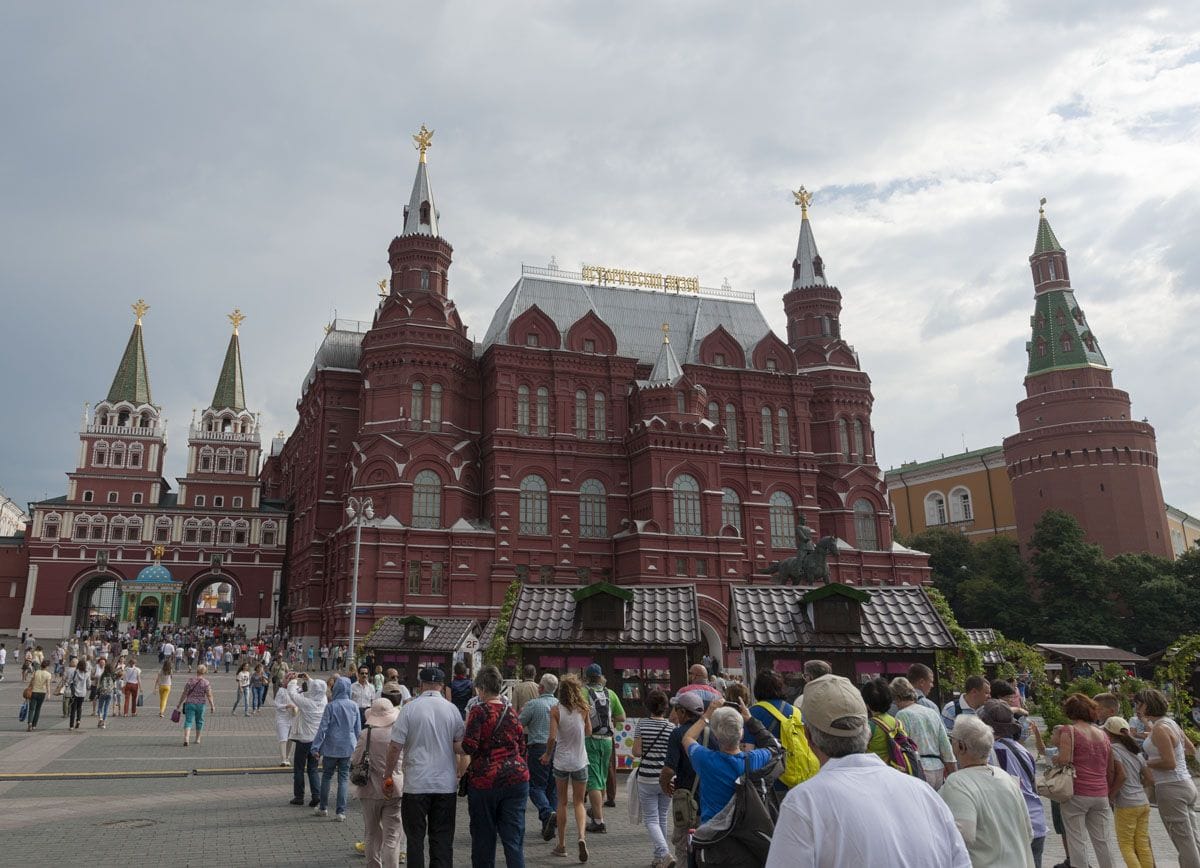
(258,155)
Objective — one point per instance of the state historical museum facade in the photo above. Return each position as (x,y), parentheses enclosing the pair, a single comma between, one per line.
(610,426)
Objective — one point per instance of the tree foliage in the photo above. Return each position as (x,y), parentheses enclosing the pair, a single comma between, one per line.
(498,649)
(954,666)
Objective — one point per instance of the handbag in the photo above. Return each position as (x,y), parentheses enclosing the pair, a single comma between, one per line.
(685,810)
(175,715)
(27,693)
(24,712)
(1058,782)
(360,772)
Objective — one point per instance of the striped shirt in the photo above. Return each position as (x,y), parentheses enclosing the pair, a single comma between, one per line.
(654,733)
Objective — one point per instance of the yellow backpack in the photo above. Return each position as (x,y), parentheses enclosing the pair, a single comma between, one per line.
(800,763)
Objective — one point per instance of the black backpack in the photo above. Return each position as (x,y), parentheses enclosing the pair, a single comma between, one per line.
(601,712)
(739,836)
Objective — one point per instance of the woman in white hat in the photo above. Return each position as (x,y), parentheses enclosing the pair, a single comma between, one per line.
(384,841)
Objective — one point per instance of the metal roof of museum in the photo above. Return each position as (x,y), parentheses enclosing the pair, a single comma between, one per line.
(895,618)
(658,615)
(635,315)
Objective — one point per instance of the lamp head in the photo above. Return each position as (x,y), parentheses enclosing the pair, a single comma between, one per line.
(369,511)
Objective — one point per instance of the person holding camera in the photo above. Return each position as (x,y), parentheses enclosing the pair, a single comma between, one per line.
(308,696)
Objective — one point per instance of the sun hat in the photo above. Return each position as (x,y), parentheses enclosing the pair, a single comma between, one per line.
(830,698)
(382,713)
(1115,724)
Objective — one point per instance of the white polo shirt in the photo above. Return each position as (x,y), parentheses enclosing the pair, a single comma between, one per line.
(427,729)
(856,811)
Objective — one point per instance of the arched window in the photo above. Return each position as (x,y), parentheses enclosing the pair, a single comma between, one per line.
(116,455)
(785,436)
(206,531)
(98,526)
(731,437)
(222,460)
(680,403)
(783,521)
(191,531)
(81,528)
(859,446)
(731,509)
(599,416)
(206,459)
(425,213)
(593,510)
(543,411)
(241,532)
(100,454)
(1066,342)
(435,406)
(960,504)
(269,532)
(50,526)
(534,497)
(865,525)
(935,509)
(116,530)
(714,412)
(522,409)
(843,439)
(581,408)
(135,455)
(427,500)
(417,409)
(225,532)
(686,505)
(162,529)
(768,424)
(133,530)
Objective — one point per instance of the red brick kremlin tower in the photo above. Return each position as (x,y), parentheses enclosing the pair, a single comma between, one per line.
(1078,449)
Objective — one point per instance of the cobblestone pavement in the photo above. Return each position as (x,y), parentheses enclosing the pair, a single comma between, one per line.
(218,819)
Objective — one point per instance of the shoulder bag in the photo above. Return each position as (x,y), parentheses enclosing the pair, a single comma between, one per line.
(360,772)
(1057,783)
(685,810)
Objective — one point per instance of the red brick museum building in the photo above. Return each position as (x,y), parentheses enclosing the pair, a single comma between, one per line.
(610,425)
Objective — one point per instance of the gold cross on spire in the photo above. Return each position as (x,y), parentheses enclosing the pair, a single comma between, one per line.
(803,199)
(422,140)
(383,288)
(139,310)
(237,318)
(666,330)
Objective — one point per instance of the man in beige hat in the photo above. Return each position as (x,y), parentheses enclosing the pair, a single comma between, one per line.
(856,810)
(384,840)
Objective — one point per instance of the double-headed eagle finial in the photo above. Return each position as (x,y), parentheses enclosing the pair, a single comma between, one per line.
(139,310)
(237,318)
(422,141)
(803,199)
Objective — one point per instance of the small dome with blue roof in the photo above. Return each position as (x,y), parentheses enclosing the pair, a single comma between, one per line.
(155,573)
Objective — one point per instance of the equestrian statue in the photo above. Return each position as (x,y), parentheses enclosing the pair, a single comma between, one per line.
(810,562)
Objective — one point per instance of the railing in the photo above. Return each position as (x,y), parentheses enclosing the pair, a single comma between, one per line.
(124,431)
(198,432)
(351,325)
(577,277)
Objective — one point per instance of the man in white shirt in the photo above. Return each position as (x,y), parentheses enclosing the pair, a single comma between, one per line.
(429,731)
(166,652)
(3,659)
(362,693)
(857,811)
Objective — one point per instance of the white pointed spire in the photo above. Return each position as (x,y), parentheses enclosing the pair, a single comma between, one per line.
(807,268)
(421,215)
(666,367)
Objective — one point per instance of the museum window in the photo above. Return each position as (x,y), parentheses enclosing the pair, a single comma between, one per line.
(100,455)
(50,527)
(783,521)
(268,534)
(427,499)
(589,345)
(437,578)
(543,411)
(116,455)
(98,528)
(81,528)
(137,497)
(89,496)
(116,530)
(581,408)
(960,504)
(133,530)
(680,403)
(206,532)
(191,531)
(417,407)
(731,509)
(935,509)
(135,456)
(681,565)
(532,340)
(435,406)
(162,530)
(593,510)
(866,526)
(113,497)
(785,436)
(414,577)
(713,412)
(425,271)
(237,503)
(533,506)
(701,567)
(859,447)
(599,416)
(225,533)
(719,360)
(768,423)
(843,439)
(522,409)
(772,365)
(731,437)
(219,501)
(198,500)
(685,503)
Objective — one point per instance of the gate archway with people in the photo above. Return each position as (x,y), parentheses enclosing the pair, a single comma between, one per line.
(212,600)
(98,603)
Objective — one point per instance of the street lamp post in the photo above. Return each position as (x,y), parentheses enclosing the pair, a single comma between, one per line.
(261,594)
(359,509)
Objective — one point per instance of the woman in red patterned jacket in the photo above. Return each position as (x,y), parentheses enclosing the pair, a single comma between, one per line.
(498,777)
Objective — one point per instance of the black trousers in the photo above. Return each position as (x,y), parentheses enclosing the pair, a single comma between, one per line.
(432,812)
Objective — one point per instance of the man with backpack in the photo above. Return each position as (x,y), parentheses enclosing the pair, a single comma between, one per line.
(607,714)
(786,723)
(976,691)
(678,779)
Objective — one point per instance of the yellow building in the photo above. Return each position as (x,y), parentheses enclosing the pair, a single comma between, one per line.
(970,492)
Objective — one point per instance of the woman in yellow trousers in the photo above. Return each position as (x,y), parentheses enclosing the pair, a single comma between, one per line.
(163,683)
(1131,807)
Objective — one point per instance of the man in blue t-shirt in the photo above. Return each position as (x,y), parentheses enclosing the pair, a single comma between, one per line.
(720,768)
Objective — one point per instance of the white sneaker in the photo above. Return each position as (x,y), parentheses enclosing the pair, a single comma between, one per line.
(320,812)
(341,818)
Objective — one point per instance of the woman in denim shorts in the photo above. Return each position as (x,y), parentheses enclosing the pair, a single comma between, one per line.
(570,723)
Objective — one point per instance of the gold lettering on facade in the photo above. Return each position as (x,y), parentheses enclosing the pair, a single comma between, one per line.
(641,279)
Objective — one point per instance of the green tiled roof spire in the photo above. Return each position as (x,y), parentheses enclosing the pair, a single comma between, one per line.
(132,382)
(231,392)
(1045,241)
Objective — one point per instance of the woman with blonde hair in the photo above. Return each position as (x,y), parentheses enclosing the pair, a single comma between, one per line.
(1166,751)
(196,694)
(162,682)
(570,723)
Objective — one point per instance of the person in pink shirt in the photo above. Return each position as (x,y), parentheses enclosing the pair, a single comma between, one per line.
(1087,814)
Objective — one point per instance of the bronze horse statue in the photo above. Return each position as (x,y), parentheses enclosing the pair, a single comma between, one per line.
(805,567)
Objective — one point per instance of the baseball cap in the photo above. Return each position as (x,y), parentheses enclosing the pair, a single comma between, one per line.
(829,698)
(998,714)
(690,700)
(1115,724)
(593,670)
(431,675)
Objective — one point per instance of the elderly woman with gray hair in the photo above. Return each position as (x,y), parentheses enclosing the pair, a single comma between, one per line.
(986,803)
(719,769)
